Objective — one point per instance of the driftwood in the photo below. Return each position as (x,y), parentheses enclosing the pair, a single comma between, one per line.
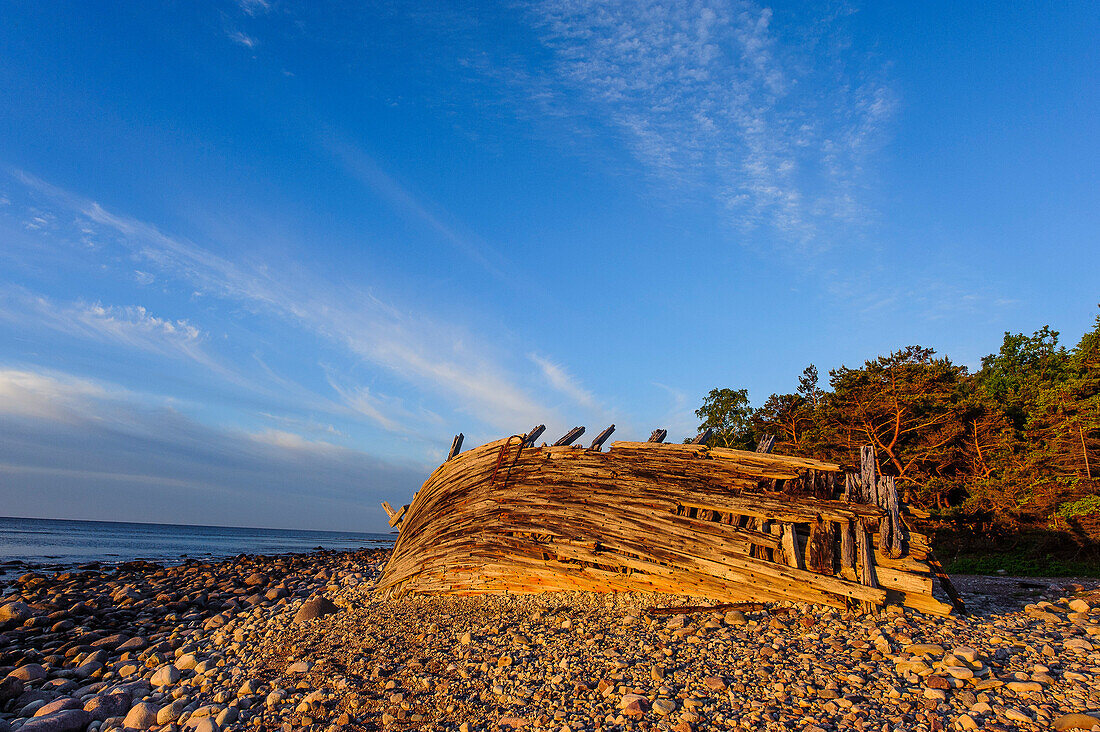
(687,519)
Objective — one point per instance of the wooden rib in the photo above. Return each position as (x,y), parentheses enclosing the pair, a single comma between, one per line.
(570,437)
(702,437)
(658,435)
(601,438)
(456,446)
(790,546)
(398,515)
(533,434)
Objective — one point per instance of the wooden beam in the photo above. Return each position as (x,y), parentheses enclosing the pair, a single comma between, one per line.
(893,510)
(456,446)
(947,585)
(396,518)
(868,488)
(570,437)
(658,435)
(601,438)
(767,442)
(388,509)
(847,547)
(789,541)
(534,434)
(865,558)
(702,437)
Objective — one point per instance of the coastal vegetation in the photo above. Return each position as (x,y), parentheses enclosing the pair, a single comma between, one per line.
(1005,458)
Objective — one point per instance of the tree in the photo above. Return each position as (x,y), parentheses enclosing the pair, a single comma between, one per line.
(728,414)
(905,404)
(808,388)
(1024,366)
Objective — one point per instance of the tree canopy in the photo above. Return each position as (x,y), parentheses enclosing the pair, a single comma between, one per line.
(1016,442)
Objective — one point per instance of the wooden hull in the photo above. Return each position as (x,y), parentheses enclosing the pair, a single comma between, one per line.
(647,517)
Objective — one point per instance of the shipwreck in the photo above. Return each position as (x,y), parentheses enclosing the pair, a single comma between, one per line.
(683,519)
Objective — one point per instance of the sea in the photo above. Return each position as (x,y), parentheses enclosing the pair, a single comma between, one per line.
(55,544)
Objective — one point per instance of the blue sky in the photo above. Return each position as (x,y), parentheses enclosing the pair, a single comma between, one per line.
(261,260)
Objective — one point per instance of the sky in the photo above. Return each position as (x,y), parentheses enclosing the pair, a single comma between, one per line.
(260,260)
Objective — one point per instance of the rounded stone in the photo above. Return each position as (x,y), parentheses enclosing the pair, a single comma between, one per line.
(165,675)
(15,612)
(29,672)
(143,715)
(1075,721)
(103,706)
(315,607)
(70,720)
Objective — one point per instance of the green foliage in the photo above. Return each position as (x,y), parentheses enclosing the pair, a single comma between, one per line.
(1012,447)
(727,412)
(1081,507)
(1022,564)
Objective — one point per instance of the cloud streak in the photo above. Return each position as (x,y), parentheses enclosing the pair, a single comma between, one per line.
(564,382)
(71,446)
(711,100)
(435,357)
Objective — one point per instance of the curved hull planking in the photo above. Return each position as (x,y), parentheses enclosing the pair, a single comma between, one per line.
(722,524)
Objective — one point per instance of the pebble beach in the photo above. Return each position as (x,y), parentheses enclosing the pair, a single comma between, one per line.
(304,642)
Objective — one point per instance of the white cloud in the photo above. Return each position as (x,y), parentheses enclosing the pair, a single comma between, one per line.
(86,449)
(713,102)
(564,382)
(434,356)
(47,396)
(132,326)
(291,441)
(254,7)
(243,39)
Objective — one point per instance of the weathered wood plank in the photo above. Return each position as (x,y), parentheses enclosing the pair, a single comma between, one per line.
(645,517)
(570,437)
(456,446)
(601,438)
(702,437)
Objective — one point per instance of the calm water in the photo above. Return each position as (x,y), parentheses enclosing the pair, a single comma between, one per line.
(67,543)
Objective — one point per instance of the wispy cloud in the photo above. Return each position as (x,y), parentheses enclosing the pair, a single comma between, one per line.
(362,167)
(254,7)
(80,448)
(679,418)
(25,393)
(712,101)
(433,356)
(242,38)
(131,325)
(563,381)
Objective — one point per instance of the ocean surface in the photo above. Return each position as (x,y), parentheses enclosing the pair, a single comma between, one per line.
(57,543)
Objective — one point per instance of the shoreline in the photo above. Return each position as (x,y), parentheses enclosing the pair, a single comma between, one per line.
(229,644)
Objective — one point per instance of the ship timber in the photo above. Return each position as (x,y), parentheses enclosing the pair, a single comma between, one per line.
(684,519)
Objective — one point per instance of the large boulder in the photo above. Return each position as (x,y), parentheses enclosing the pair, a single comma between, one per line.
(70,720)
(15,612)
(142,715)
(113,704)
(10,688)
(58,705)
(315,607)
(29,672)
(165,675)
